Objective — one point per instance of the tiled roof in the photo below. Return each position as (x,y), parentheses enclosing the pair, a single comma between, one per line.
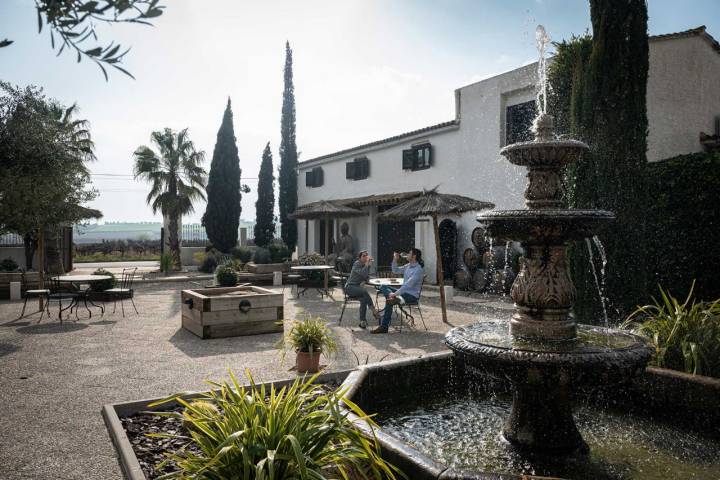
(386,140)
(368,200)
(699,31)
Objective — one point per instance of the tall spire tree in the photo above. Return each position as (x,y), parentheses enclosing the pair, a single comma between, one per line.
(288,157)
(222,215)
(265,205)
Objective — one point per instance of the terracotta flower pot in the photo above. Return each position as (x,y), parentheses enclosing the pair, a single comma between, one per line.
(307,363)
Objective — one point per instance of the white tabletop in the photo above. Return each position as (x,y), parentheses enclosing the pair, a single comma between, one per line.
(82,278)
(311,267)
(391,282)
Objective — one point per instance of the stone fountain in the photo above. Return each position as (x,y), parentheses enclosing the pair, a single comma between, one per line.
(544,353)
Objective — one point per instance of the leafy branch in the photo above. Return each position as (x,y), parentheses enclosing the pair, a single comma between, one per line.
(75,22)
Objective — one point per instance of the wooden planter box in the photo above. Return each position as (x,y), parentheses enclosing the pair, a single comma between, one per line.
(231,311)
(267,267)
(32,280)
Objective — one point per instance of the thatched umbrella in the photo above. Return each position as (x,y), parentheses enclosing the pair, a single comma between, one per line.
(431,203)
(325,210)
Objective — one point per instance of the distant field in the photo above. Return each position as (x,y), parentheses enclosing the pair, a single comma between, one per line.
(101,257)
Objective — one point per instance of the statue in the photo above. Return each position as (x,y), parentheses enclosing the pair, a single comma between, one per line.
(344,253)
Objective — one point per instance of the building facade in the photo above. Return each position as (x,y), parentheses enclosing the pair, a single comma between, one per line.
(461,155)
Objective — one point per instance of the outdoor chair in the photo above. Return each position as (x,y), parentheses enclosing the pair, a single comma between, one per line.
(42,293)
(290,280)
(403,314)
(346,299)
(60,292)
(124,291)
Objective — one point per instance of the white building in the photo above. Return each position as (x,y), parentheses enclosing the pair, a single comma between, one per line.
(462,155)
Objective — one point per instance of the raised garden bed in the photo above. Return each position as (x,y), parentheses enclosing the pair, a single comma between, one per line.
(267,267)
(129,422)
(231,311)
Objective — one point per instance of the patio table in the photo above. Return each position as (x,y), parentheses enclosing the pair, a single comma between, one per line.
(76,280)
(317,268)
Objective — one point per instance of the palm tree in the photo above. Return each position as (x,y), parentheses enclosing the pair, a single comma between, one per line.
(176,176)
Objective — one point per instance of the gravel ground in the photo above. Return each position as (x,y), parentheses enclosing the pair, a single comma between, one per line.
(55,378)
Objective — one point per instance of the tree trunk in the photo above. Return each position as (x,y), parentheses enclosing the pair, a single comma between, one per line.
(174,240)
(30,240)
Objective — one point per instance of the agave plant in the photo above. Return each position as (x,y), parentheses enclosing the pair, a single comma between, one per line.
(257,432)
(686,335)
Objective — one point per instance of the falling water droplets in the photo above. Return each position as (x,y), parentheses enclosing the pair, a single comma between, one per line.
(597,281)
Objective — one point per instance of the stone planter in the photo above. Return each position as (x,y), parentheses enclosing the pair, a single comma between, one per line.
(231,311)
(267,267)
(113,412)
(307,362)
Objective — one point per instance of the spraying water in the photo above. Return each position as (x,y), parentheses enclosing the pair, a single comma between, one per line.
(505,267)
(542,40)
(597,282)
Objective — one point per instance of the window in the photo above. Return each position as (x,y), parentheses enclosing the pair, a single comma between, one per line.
(419,157)
(518,122)
(358,169)
(314,177)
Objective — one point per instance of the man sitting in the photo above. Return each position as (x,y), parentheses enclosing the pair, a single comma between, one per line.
(359,275)
(409,292)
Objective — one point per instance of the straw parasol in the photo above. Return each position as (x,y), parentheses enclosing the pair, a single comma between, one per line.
(433,204)
(324,209)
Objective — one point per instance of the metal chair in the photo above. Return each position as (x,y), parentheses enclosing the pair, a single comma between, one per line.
(346,299)
(410,306)
(124,291)
(59,292)
(41,293)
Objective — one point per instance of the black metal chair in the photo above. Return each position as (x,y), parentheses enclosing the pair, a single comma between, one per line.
(124,291)
(40,293)
(59,291)
(346,299)
(410,306)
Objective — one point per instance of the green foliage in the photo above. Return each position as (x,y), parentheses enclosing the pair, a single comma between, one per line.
(8,265)
(105,284)
(226,275)
(310,335)
(208,265)
(601,96)
(288,157)
(244,254)
(686,335)
(222,215)
(311,258)
(682,244)
(74,23)
(44,151)
(176,177)
(167,262)
(262,256)
(199,258)
(265,204)
(253,433)
(278,252)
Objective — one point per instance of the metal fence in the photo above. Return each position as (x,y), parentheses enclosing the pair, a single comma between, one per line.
(194,235)
(11,240)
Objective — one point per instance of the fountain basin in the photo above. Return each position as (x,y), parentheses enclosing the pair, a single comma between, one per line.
(438,422)
(544,154)
(547,226)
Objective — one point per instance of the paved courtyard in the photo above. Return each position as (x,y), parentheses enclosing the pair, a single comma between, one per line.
(55,378)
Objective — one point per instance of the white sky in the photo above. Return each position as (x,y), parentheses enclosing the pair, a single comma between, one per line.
(364,70)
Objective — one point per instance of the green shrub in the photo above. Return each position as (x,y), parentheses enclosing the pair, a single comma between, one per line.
(199,258)
(167,262)
(278,252)
(262,256)
(311,259)
(311,336)
(244,254)
(8,265)
(226,275)
(297,431)
(208,265)
(104,284)
(686,335)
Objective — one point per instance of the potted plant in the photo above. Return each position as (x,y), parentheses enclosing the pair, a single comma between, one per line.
(309,339)
(226,276)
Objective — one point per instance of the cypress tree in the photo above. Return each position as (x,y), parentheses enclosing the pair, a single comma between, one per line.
(606,107)
(288,157)
(222,215)
(265,204)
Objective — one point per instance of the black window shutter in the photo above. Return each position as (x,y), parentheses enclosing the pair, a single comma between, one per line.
(408,159)
(319,177)
(428,155)
(350,170)
(309,178)
(365,168)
